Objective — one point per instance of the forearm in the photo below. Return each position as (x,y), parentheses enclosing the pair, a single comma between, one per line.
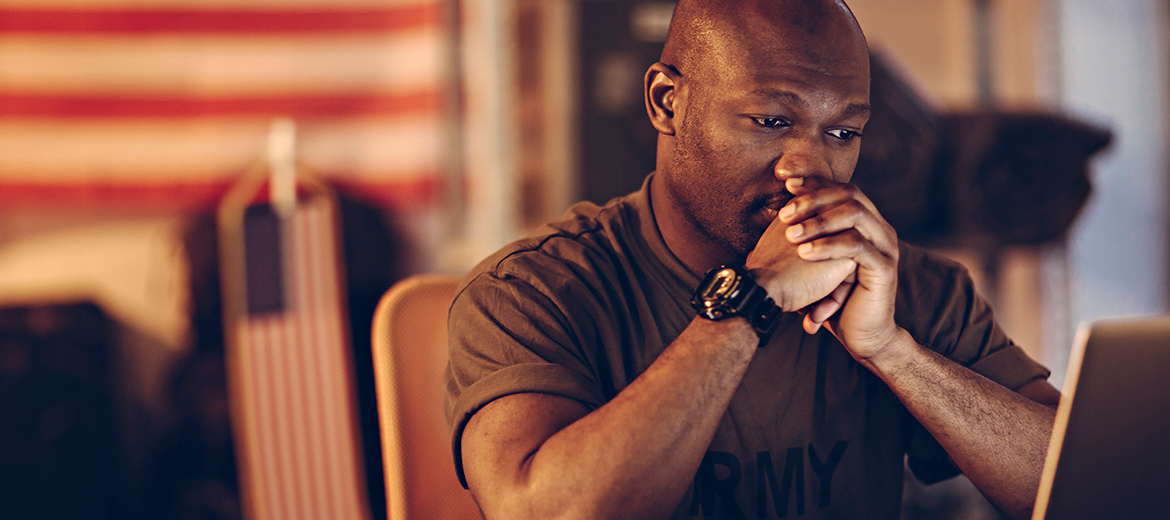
(996,436)
(635,456)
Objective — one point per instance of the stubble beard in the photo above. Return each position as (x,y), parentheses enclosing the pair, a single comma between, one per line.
(700,203)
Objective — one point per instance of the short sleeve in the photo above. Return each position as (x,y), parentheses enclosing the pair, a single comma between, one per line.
(505,337)
(938,304)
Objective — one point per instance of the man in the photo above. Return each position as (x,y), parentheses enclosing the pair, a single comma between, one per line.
(583,385)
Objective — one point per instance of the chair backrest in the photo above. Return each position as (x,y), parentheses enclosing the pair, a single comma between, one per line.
(410,354)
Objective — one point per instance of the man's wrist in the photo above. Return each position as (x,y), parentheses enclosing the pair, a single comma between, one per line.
(897,351)
(736,330)
(763,278)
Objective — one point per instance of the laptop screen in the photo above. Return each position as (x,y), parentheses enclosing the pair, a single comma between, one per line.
(1110,451)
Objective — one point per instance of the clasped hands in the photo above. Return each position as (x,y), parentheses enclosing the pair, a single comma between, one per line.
(831,256)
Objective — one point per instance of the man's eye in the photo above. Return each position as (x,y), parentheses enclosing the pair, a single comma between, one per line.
(844,135)
(770,122)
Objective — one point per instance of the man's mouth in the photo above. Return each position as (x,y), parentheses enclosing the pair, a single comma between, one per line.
(771,206)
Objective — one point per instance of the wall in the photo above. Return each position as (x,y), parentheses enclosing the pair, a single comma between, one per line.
(1113,69)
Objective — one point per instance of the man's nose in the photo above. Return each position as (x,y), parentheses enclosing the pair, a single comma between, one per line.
(802,158)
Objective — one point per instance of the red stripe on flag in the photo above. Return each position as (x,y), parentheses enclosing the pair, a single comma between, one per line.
(229,21)
(405,195)
(417,191)
(14,104)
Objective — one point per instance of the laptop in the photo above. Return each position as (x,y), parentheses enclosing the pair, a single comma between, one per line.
(1109,456)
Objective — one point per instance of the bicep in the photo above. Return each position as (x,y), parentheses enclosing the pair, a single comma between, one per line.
(501,438)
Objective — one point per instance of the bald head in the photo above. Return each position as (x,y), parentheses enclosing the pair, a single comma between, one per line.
(706,36)
(749,93)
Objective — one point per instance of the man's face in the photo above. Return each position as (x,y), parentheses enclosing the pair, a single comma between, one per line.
(767,111)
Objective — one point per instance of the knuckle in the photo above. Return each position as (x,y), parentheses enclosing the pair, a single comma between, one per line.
(857,242)
(814,224)
(892,233)
(855,208)
(847,240)
(859,246)
(841,192)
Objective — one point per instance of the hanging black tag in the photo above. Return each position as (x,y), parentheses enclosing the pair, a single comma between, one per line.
(263,260)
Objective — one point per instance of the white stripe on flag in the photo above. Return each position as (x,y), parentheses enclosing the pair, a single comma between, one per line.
(376,148)
(209,65)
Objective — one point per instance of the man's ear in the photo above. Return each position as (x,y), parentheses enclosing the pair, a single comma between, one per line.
(661,84)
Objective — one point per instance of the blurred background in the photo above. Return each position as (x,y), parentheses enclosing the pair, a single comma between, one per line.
(451,127)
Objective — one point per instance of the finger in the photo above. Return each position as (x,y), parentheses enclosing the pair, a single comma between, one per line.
(834,301)
(810,326)
(816,314)
(808,184)
(800,186)
(851,214)
(849,244)
(823,309)
(817,195)
(827,307)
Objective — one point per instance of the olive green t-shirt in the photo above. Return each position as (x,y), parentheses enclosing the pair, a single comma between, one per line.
(585,305)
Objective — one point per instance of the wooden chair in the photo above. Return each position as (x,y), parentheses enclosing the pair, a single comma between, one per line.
(410,354)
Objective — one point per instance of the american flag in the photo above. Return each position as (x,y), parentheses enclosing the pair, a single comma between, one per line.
(160,104)
(289,364)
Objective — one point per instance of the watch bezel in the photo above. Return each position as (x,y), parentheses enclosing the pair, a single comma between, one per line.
(743,297)
(720,285)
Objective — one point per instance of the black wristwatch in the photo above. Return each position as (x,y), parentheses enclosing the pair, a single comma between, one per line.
(729,291)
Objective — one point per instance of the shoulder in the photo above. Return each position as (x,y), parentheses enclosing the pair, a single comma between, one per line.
(580,248)
(526,319)
(937,301)
(919,262)
(926,278)
(939,305)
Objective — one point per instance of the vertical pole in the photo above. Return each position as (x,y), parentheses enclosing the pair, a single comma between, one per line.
(562,121)
(489,127)
(455,196)
(984,50)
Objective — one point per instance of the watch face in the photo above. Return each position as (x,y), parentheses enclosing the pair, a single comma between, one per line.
(722,285)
